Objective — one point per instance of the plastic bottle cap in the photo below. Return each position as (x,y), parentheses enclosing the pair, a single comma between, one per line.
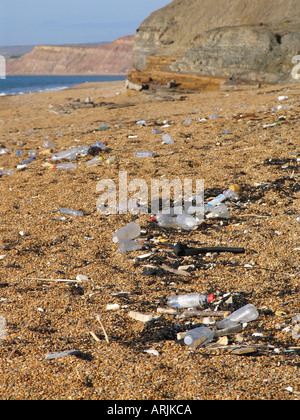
(211,297)
(54,166)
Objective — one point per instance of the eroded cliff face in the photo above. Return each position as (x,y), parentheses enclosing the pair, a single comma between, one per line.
(239,39)
(112,58)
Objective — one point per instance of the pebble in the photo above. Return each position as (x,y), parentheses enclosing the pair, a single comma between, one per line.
(113,307)
(140,317)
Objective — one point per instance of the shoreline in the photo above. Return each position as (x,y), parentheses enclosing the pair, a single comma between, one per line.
(87,84)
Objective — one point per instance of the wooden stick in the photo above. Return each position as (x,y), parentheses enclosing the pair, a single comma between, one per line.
(174,271)
(94,336)
(106,336)
(187,314)
(54,280)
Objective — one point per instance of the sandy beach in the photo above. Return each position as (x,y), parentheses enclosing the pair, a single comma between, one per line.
(40,247)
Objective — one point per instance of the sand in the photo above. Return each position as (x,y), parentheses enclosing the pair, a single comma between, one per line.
(43,315)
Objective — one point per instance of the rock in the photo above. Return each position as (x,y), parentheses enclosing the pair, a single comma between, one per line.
(111,58)
(243,41)
(296,332)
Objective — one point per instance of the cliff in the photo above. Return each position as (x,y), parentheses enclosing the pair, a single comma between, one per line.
(228,39)
(111,58)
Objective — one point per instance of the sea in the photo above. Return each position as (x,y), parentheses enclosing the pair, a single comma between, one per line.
(22,85)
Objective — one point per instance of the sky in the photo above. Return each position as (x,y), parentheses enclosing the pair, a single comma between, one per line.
(36,22)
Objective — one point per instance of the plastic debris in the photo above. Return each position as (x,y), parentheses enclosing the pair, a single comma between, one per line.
(167,139)
(6,172)
(192,300)
(244,314)
(130,231)
(198,337)
(71,212)
(65,166)
(26,162)
(143,154)
(56,355)
(182,250)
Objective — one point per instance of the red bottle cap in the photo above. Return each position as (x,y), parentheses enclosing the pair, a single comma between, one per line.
(211,297)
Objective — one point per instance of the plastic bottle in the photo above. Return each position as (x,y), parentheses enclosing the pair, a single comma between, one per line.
(130,231)
(246,313)
(25,163)
(65,166)
(70,154)
(6,172)
(167,139)
(49,144)
(128,246)
(220,211)
(191,300)
(95,161)
(186,221)
(143,154)
(197,334)
(229,194)
(71,212)
(5,150)
(99,145)
(166,220)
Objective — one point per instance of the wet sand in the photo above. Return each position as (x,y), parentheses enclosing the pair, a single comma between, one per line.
(38,247)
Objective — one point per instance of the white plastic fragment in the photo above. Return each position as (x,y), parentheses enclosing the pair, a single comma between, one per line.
(56,355)
(152,351)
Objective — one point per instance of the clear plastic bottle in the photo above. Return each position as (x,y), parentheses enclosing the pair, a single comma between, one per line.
(95,161)
(191,300)
(25,163)
(65,166)
(70,154)
(186,221)
(246,313)
(195,335)
(130,231)
(143,154)
(229,194)
(166,220)
(220,211)
(167,139)
(49,144)
(128,246)
(71,212)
